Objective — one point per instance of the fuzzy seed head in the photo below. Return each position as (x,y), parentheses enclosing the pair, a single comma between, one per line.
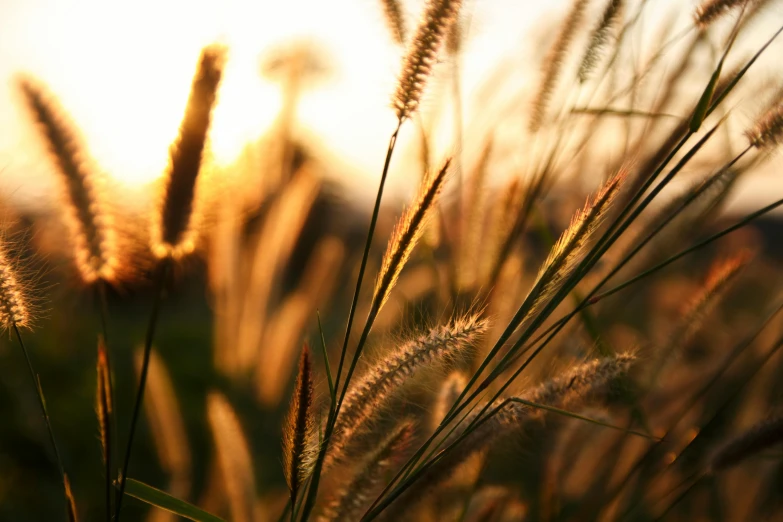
(570,247)
(406,235)
(573,385)
(710,10)
(758,438)
(395,19)
(768,130)
(368,395)
(299,426)
(14,308)
(354,498)
(600,37)
(554,61)
(510,418)
(174,230)
(90,222)
(422,54)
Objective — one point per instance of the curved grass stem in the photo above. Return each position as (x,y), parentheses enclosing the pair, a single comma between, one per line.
(163,269)
(335,406)
(42,403)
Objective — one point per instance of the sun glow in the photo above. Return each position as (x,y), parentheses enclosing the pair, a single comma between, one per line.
(123,71)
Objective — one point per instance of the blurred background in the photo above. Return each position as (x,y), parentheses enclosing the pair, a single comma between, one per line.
(296,146)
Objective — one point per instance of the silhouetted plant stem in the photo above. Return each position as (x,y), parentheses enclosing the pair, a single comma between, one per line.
(335,407)
(163,269)
(42,403)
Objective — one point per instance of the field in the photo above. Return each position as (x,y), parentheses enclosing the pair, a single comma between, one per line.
(570,315)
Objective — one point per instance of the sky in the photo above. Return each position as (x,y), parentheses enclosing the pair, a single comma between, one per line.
(123,70)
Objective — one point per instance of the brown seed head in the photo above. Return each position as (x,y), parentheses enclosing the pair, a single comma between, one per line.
(422,54)
(91,225)
(174,233)
(299,426)
(14,307)
(768,130)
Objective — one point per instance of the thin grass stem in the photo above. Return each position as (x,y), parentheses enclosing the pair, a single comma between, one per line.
(42,403)
(163,269)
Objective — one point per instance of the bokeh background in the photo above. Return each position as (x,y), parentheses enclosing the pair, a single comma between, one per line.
(317,77)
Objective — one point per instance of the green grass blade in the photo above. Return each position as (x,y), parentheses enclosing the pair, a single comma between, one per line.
(163,500)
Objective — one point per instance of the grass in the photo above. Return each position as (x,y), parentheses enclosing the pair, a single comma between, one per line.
(459,387)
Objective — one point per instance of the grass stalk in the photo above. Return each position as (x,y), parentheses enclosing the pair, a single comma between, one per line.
(42,403)
(163,269)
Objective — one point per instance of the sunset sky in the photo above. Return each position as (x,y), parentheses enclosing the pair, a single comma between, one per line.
(122,70)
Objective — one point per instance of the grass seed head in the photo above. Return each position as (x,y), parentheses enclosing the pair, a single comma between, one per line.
(14,306)
(759,437)
(711,10)
(175,229)
(766,133)
(299,426)
(422,54)
(90,222)
(371,393)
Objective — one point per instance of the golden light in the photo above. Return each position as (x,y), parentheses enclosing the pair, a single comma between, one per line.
(123,73)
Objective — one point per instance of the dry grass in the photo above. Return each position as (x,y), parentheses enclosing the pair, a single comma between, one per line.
(626,344)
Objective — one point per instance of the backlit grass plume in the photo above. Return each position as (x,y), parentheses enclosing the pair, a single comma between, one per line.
(563,391)
(599,38)
(353,498)
(298,427)
(92,233)
(383,379)
(759,437)
(174,232)
(553,62)
(395,19)
(14,304)
(422,53)
(710,10)
(571,245)
(767,132)
(406,235)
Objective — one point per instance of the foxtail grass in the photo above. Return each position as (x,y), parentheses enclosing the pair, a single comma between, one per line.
(755,439)
(298,428)
(709,11)
(357,494)
(370,393)
(174,231)
(507,418)
(395,19)
(15,313)
(416,68)
(406,235)
(91,225)
(599,38)
(436,21)
(553,63)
